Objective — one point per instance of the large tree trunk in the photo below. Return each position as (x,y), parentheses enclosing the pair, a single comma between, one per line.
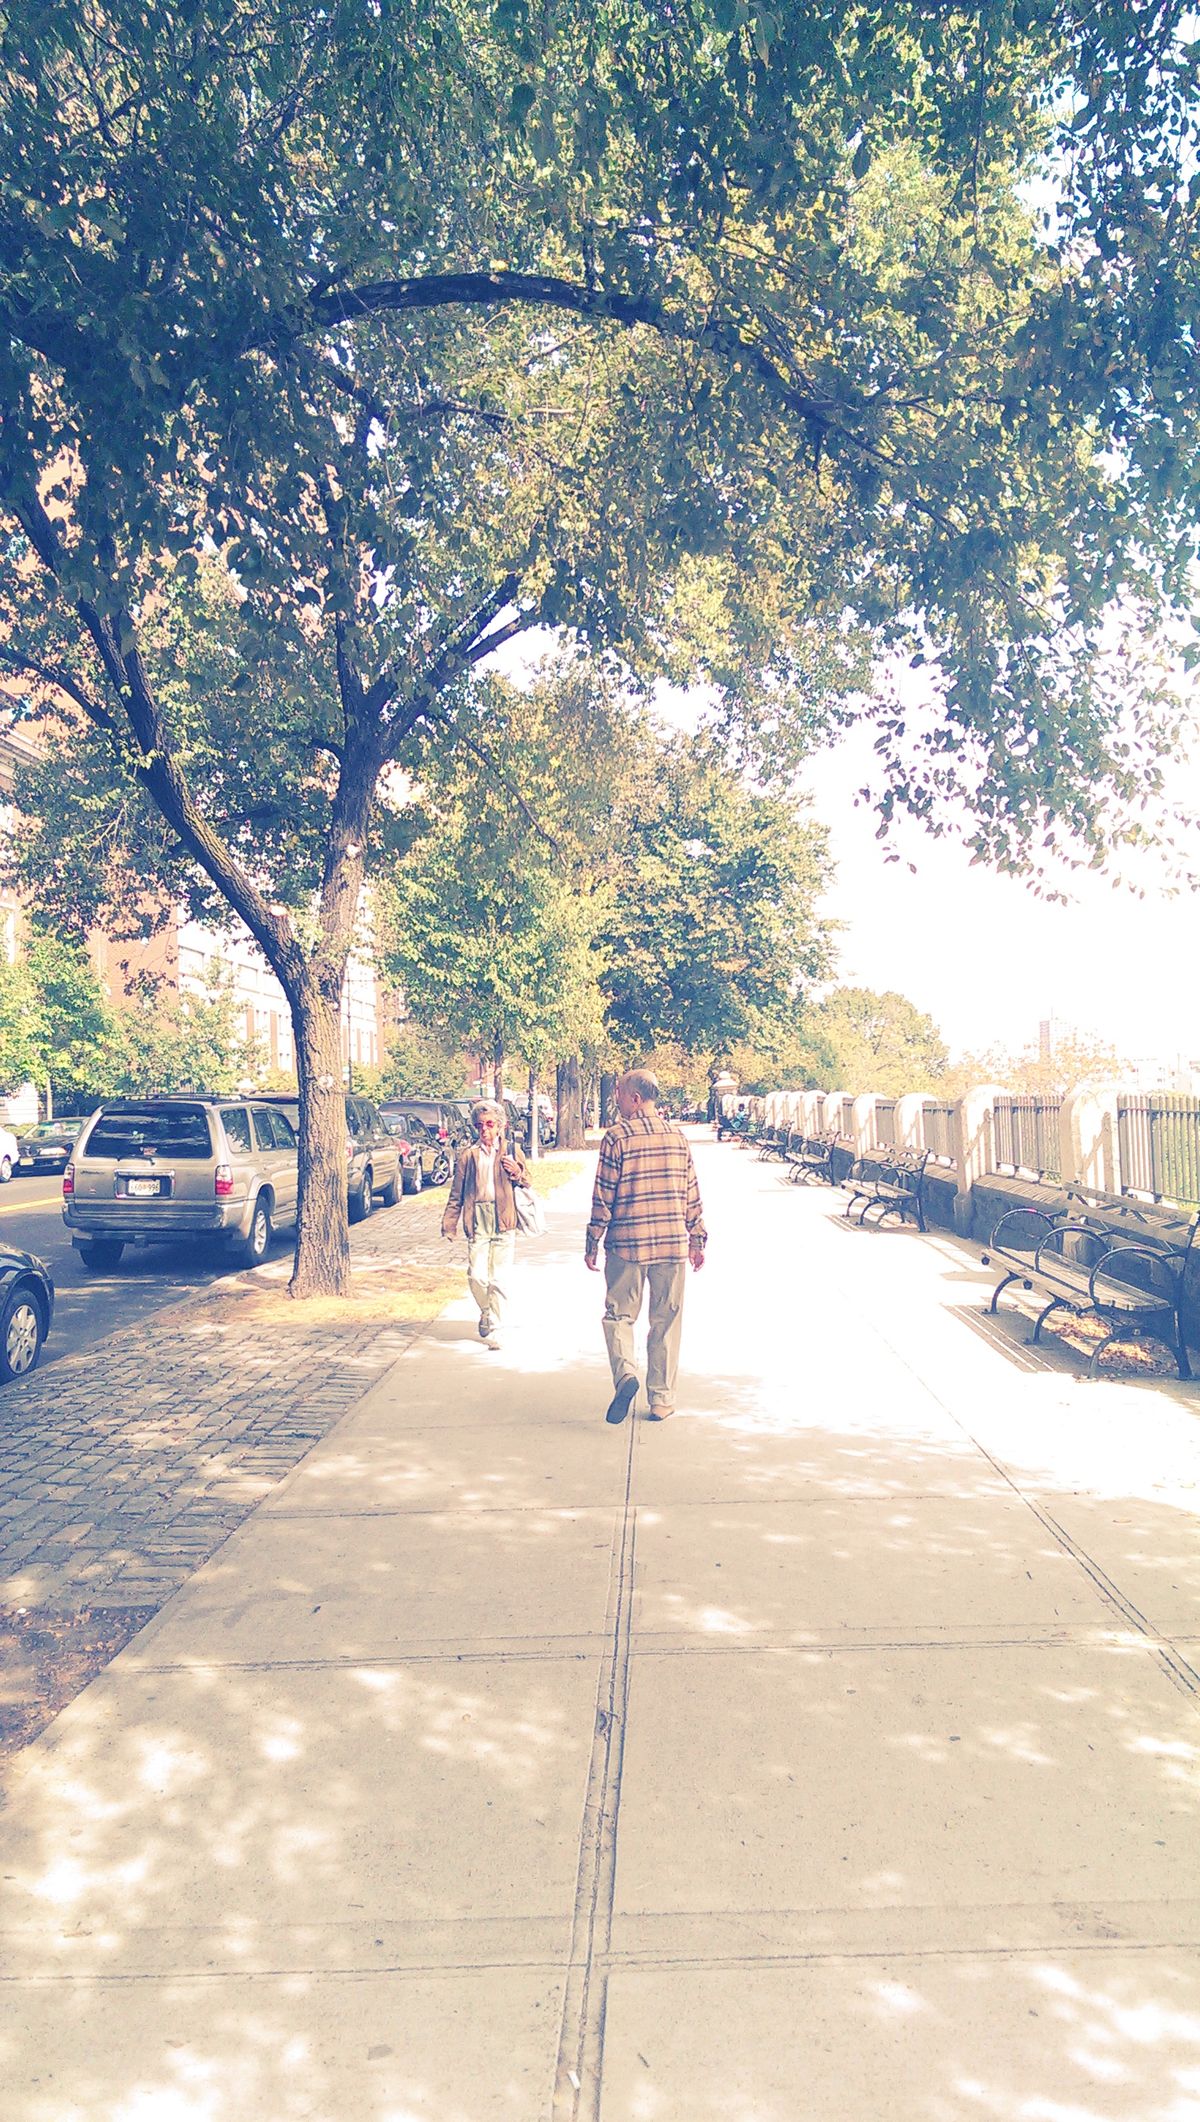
(322,1266)
(608,1097)
(570,1104)
(498,1069)
(533,1130)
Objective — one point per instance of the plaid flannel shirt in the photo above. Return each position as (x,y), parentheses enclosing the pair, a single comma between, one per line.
(646,1204)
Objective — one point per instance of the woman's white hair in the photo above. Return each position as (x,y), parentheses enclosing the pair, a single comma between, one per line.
(487,1105)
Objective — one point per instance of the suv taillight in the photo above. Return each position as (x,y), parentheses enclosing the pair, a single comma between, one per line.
(68,1181)
(222,1181)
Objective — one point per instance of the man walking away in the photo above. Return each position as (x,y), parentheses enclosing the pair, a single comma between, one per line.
(646,1207)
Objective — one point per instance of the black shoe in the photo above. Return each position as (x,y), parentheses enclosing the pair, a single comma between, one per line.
(622,1400)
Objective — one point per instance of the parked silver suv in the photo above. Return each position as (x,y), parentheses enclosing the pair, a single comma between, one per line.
(154,1170)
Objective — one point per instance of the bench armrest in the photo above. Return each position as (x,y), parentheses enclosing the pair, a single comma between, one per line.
(1170,1259)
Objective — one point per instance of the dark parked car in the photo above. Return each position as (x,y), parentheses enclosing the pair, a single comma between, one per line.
(442,1121)
(26,1309)
(373,1161)
(446,1116)
(47,1145)
(426,1161)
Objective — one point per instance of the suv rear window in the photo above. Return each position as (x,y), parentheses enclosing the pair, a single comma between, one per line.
(173,1131)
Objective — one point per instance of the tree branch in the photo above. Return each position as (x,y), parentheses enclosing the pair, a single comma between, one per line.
(63,681)
(603,305)
(488,759)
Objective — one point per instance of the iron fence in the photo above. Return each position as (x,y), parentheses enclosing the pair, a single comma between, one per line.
(1158,1142)
(1026,1137)
(939,1132)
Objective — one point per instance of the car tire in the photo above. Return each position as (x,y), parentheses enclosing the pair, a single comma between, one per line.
(102,1255)
(22,1332)
(363,1201)
(252,1250)
(411,1180)
(391,1192)
(5,1170)
(441,1171)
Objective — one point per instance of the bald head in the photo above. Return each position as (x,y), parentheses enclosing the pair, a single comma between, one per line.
(636,1090)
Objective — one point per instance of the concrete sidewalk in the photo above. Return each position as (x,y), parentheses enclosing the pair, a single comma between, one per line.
(828,1753)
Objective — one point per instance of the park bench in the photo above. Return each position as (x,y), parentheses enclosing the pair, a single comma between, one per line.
(773,1142)
(1100,1256)
(891,1181)
(810,1159)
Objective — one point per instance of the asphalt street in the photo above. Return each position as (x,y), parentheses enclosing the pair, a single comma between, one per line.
(88,1306)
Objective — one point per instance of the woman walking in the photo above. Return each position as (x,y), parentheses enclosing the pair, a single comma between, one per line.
(481,1192)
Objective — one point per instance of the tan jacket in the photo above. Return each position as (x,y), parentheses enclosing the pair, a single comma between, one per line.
(462,1199)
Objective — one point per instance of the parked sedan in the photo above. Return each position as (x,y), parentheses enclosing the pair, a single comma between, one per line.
(26,1309)
(47,1145)
(424,1160)
(445,1116)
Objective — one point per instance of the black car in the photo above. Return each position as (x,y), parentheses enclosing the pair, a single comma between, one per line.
(47,1145)
(26,1309)
(426,1159)
(449,1122)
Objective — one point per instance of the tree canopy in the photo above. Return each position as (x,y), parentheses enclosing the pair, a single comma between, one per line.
(856,1039)
(742,346)
(714,933)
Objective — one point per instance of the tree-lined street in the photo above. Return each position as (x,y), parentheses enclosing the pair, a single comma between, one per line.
(459,466)
(780,360)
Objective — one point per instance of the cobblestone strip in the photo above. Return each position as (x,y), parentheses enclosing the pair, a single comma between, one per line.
(123,1468)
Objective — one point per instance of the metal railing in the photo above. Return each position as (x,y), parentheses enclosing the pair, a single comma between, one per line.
(1158,1142)
(885,1123)
(939,1132)
(1026,1137)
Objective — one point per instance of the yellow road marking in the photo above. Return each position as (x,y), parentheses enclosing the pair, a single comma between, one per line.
(14,1208)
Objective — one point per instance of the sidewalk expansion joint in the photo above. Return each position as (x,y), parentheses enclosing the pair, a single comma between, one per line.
(576,2096)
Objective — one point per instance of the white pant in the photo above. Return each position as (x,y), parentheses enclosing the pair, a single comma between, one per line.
(489,1263)
(625,1281)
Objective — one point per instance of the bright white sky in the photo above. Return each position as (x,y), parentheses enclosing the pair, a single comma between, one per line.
(985,956)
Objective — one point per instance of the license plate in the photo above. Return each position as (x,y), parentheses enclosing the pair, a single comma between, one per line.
(143,1189)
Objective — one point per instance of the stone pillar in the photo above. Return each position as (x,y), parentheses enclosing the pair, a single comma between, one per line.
(831,1112)
(812,1103)
(862,1123)
(1088,1138)
(910,1121)
(974,1153)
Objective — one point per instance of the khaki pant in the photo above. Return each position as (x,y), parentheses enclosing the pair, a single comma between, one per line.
(625,1281)
(489,1261)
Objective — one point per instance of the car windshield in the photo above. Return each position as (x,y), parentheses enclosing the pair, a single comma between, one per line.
(170,1131)
(49,1127)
